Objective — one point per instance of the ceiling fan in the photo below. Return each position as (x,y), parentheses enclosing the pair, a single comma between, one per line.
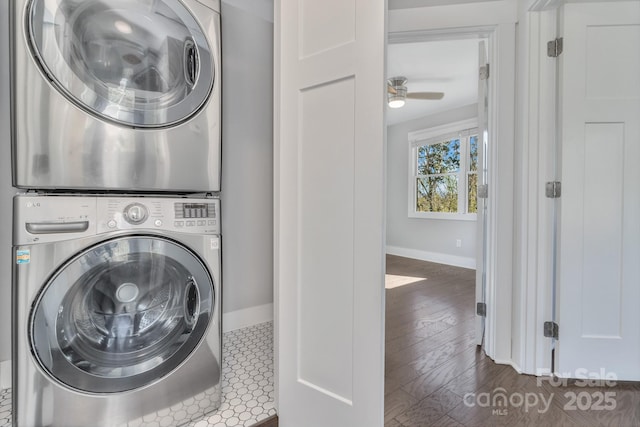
(397,92)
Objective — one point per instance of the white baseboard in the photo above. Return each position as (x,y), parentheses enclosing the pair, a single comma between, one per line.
(247,317)
(440,258)
(5,374)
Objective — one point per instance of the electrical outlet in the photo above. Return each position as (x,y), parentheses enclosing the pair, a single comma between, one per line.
(458,243)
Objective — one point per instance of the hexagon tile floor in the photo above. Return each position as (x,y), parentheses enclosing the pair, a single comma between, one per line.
(247,383)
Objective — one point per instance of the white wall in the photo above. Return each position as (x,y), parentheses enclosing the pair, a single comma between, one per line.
(247,161)
(430,239)
(6,191)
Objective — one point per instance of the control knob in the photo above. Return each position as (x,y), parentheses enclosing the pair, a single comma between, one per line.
(135,213)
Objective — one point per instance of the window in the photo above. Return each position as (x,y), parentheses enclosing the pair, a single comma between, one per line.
(443,172)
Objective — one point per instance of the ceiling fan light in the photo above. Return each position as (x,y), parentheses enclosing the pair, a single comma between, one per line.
(396,101)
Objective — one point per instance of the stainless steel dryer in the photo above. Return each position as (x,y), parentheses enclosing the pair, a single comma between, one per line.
(116,310)
(116,95)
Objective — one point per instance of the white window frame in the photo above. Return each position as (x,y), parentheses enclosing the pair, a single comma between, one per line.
(436,135)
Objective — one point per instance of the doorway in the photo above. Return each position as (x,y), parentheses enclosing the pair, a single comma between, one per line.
(435,234)
(499,234)
(494,238)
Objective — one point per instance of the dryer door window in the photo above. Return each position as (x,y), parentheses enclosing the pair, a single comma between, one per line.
(141,63)
(122,314)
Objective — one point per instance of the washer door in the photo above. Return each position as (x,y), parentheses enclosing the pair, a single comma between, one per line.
(122,314)
(143,63)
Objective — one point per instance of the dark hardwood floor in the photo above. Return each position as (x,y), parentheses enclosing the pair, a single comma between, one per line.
(272,421)
(435,375)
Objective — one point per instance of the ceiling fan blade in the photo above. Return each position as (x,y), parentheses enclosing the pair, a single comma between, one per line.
(391,90)
(425,95)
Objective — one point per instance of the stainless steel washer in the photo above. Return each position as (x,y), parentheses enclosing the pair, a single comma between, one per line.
(116,95)
(116,308)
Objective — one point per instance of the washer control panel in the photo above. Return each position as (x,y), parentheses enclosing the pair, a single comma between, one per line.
(184,215)
(41,219)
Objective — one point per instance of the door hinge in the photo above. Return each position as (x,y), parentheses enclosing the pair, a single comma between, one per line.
(551,330)
(554,48)
(484,72)
(481,309)
(483,191)
(553,189)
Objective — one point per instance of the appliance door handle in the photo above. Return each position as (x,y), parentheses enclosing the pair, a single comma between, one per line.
(191,303)
(190,63)
(57,227)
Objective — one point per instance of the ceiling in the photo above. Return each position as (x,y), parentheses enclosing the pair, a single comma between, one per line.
(449,66)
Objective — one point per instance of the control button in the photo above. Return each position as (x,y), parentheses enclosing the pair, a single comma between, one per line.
(191,223)
(212,222)
(178,223)
(112,223)
(201,222)
(158,223)
(135,213)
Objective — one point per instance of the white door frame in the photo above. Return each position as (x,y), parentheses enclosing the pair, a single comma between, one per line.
(538,165)
(496,21)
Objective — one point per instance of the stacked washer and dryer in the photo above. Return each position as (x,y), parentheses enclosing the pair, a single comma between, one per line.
(116,150)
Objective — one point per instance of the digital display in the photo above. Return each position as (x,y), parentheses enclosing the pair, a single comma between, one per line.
(195,210)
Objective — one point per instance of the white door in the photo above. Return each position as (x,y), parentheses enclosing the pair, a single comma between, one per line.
(329,204)
(599,265)
(482,182)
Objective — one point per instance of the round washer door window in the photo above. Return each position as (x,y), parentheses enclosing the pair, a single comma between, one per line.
(122,314)
(135,62)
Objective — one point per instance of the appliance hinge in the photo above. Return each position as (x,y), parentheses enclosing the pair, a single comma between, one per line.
(554,48)
(484,72)
(481,309)
(553,189)
(483,191)
(551,330)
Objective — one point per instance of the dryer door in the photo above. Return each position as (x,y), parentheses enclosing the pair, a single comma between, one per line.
(122,314)
(140,63)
